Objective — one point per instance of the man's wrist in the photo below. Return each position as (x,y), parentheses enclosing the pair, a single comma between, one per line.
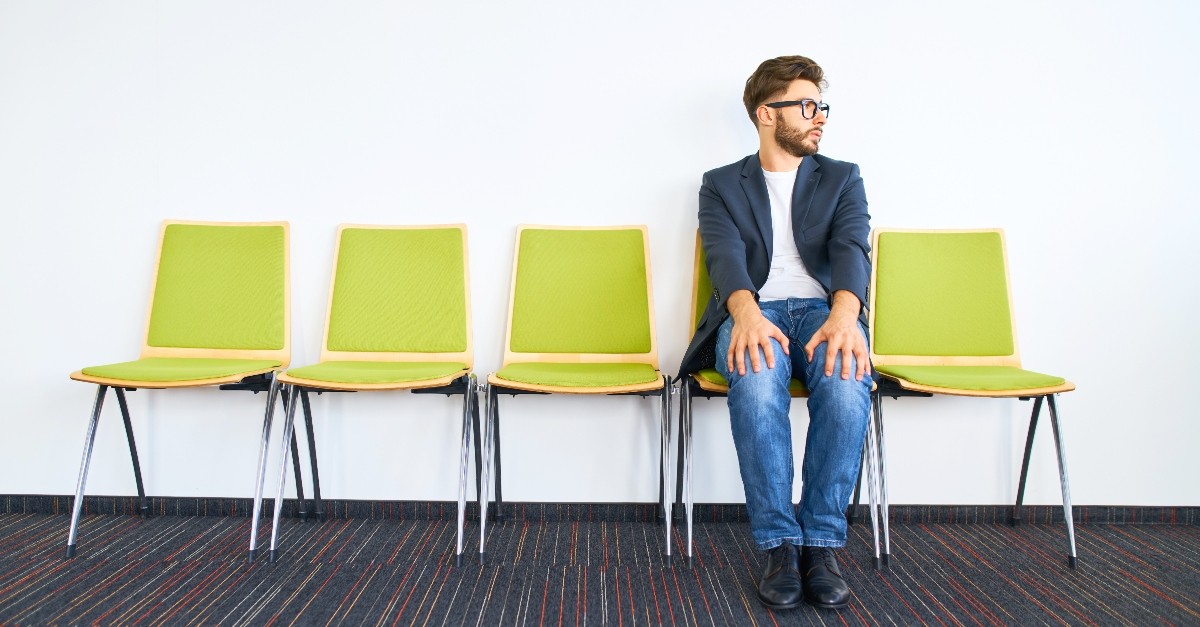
(844,305)
(742,303)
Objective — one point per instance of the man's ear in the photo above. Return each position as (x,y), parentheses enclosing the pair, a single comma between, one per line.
(765,115)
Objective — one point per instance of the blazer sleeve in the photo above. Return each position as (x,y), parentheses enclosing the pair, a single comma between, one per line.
(724,250)
(849,250)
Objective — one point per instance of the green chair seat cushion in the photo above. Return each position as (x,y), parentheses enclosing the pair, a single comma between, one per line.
(172,369)
(712,376)
(973,378)
(376,371)
(579,375)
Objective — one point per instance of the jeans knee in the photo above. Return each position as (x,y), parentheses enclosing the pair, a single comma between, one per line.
(850,394)
(819,360)
(767,378)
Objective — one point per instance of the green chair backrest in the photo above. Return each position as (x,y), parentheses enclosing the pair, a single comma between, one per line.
(581,290)
(701,286)
(220,286)
(941,293)
(399,289)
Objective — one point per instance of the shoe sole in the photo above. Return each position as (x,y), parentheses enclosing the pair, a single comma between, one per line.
(827,606)
(772,606)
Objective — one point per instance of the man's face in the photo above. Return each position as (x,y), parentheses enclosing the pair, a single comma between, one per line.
(797,136)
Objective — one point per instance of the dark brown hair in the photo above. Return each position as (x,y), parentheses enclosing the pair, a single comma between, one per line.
(773,76)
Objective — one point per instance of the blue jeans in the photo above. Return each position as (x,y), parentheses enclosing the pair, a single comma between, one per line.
(762,432)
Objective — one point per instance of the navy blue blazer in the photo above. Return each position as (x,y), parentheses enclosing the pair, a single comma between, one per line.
(830,225)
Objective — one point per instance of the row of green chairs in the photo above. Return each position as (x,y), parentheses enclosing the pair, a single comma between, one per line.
(580,322)
(941,322)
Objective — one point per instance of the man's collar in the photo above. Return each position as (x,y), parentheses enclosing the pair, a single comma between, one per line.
(754,166)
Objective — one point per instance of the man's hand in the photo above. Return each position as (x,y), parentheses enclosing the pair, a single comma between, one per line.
(841,335)
(751,331)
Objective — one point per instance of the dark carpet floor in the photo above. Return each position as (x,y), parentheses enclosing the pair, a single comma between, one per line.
(177,570)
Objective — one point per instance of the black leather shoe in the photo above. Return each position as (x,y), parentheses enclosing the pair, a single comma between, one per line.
(823,583)
(780,588)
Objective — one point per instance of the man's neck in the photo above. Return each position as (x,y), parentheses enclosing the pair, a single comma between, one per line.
(775,159)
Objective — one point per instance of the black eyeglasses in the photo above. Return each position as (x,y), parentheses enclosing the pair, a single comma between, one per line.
(808,107)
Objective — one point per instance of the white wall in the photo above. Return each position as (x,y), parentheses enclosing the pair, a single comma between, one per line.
(1072,125)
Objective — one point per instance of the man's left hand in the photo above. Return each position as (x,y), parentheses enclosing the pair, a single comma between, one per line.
(841,334)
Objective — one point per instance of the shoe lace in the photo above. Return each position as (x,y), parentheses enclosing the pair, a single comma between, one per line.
(825,556)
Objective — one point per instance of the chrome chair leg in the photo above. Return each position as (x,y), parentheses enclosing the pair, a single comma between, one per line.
(488,433)
(873,489)
(289,423)
(262,465)
(1068,512)
(464,452)
(664,462)
(883,487)
(678,508)
(685,435)
(88,443)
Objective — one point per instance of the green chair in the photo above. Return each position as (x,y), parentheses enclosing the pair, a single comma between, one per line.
(219,315)
(708,383)
(941,320)
(580,321)
(398,319)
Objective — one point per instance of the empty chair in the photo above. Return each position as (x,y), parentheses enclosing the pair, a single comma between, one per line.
(580,321)
(941,322)
(219,314)
(399,318)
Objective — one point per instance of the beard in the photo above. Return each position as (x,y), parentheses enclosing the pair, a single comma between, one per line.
(793,141)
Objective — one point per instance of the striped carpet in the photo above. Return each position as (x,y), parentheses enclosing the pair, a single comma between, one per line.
(176,570)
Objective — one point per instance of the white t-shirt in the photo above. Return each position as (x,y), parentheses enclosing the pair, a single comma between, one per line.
(788,277)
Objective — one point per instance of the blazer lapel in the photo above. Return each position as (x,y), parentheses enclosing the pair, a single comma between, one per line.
(754,184)
(807,178)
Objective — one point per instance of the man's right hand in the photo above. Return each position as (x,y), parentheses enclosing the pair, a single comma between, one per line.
(751,331)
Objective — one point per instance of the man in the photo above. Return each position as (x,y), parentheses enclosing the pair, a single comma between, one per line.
(785,238)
